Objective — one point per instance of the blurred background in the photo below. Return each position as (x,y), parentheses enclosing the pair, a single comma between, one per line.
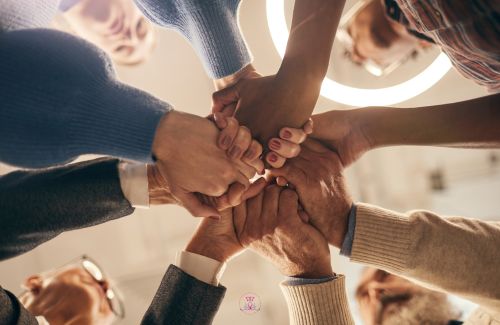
(136,250)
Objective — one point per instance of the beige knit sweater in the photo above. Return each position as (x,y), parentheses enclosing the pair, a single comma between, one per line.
(452,254)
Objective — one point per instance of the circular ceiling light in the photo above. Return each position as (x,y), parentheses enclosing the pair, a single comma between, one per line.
(359,96)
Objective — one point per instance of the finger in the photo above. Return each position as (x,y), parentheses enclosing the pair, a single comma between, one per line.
(241,142)
(288,206)
(269,215)
(275,160)
(253,225)
(281,181)
(304,216)
(308,127)
(235,193)
(292,175)
(239,220)
(229,110)
(296,136)
(255,188)
(196,207)
(224,97)
(227,135)
(246,169)
(220,120)
(253,152)
(284,148)
(243,180)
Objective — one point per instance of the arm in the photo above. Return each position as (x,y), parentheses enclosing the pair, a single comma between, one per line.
(454,254)
(211,26)
(468,124)
(12,311)
(39,205)
(270,103)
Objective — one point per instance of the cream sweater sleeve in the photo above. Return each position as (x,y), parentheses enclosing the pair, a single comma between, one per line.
(453,254)
(318,304)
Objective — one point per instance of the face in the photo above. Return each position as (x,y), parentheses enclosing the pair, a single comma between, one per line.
(377,38)
(386,299)
(116,26)
(68,295)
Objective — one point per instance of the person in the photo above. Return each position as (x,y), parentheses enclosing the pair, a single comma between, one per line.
(385,298)
(86,110)
(116,26)
(467,32)
(78,292)
(418,245)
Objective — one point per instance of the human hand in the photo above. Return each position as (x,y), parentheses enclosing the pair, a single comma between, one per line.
(190,162)
(272,225)
(316,175)
(265,105)
(344,132)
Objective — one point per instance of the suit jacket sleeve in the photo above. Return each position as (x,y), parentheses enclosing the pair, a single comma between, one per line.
(182,299)
(36,206)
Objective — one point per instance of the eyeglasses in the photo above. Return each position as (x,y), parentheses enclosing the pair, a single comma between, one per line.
(84,262)
(112,295)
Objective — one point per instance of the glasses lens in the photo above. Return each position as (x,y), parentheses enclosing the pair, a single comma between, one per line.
(116,303)
(93,269)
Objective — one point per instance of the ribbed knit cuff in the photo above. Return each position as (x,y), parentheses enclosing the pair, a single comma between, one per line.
(325,303)
(212,28)
(118,121)
(382,238)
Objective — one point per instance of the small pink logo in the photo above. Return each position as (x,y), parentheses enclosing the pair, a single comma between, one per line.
(250,303)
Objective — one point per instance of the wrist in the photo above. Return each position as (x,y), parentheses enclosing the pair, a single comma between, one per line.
(339,226)
(247,72)
(320,272)
(208,248)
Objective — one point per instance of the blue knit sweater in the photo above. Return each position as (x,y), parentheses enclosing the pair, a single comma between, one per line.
(59,96)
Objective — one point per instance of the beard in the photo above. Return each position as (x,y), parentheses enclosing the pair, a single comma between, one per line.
(426,308)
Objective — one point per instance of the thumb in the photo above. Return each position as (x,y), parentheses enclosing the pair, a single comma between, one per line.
(196,207)
(224,97)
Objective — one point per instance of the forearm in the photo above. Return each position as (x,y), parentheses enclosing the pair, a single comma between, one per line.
(55,109)
(433,250)
(39,205)
(211,26)
(307,55)
(468,124)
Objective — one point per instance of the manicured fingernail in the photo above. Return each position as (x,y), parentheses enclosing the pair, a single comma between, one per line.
(234,152)
(287,134)
(226,141)
(272,158)
(249,153)
(275,145)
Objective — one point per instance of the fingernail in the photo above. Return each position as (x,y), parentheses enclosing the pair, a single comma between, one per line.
(272,158)
(287,134)
(249,153)
(234,152)
(275,145)
(226,141)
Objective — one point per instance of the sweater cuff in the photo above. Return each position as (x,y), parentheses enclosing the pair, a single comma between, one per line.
(325,303)
(381,238)
(118,120)
(212,28)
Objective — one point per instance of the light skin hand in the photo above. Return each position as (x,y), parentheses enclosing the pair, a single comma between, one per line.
(271,225)
(316,175)
(190,161)
(342,131)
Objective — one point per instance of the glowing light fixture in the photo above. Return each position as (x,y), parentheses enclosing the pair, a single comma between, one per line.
(359,96)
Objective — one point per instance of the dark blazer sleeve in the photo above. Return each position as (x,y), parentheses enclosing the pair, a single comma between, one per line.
(36,206)
(12,311)
(182,299)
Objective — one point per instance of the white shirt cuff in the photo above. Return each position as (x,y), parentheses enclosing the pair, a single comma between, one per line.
(201,267)
(134,183)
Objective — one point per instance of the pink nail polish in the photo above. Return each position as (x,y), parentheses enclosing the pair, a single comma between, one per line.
(287,134)
(272,158)
(275,145)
